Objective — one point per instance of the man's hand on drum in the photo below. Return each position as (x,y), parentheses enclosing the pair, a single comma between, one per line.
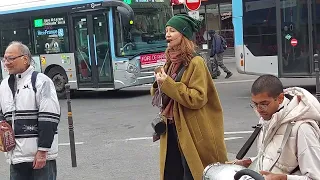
(243,162)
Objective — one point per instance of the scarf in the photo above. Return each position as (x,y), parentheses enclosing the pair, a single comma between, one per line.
(166,108)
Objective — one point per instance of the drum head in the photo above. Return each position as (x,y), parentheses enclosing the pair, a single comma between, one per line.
(219,171)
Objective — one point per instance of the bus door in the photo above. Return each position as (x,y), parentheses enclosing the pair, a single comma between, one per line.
(298,36)
(315,21)
(92,50)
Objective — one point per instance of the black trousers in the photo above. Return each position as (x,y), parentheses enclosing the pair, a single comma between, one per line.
(176,166)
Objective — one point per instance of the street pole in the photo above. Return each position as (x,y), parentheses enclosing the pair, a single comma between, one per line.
(316,65)
(71,131)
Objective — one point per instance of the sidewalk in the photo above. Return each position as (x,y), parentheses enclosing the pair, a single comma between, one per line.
(230,63)
(228,60)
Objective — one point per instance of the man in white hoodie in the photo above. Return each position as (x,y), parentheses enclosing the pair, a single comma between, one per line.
(289,143)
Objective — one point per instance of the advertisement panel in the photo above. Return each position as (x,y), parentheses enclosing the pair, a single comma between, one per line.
(150,60)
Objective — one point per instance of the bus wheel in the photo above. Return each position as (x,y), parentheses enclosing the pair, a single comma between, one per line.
(60,79)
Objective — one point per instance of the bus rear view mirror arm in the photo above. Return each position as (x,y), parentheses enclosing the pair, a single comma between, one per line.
(124,9)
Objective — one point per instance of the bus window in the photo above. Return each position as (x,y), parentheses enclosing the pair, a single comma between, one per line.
(260,32)
(16,30)
(51,35)
(147,34)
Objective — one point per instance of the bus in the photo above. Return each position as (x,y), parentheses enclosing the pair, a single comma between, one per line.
(279,37)
(90,44)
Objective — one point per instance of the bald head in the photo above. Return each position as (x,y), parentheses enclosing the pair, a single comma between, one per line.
(23,49)
(17,58)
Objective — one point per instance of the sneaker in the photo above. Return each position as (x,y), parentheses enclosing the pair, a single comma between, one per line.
(229,74)
(218,73)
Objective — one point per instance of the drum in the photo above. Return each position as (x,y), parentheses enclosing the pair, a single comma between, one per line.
(219,171)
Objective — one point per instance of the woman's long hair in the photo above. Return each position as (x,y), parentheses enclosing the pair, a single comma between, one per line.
(187,50)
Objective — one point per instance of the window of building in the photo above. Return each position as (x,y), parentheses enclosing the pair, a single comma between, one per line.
(201,36)
(51,35)
(15,30)
(259,27)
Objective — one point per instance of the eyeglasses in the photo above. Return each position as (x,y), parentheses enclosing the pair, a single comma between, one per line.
(11,59)
(262,107)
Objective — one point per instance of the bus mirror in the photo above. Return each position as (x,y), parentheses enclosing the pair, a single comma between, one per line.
(124,9)
(126,16)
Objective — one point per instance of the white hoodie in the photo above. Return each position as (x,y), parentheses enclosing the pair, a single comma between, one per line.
(303,146)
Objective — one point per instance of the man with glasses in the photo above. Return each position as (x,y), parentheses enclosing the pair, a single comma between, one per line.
(33,114)
(288,143)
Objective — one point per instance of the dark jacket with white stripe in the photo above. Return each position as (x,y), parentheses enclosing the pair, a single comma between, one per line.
(34,117)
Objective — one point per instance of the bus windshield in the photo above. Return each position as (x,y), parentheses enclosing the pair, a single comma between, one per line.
(147,35)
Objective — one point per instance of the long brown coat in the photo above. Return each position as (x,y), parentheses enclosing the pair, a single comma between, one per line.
(198,118)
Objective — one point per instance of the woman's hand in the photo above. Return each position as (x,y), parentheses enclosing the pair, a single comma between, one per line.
(161,76)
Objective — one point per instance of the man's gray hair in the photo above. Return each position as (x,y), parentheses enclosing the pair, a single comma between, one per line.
(24,50)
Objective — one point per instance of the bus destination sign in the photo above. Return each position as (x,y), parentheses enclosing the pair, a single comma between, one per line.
(49,22)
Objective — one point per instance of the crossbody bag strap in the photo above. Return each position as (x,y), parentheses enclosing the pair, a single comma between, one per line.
(182,68)
(283,143)
(295,169)
(180,73)
(245,148)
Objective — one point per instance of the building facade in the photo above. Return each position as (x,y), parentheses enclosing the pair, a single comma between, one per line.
(215,15)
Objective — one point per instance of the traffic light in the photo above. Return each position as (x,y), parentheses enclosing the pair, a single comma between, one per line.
(127,1)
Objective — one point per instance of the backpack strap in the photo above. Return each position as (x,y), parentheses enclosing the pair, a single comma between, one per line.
(283,143)
(33,80)
(11,83)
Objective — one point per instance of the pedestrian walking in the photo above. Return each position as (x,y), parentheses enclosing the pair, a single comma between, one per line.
(218,47)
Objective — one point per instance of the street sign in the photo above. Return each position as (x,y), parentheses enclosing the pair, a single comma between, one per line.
(193,5)
(294,42)
(288,36)
(194,14)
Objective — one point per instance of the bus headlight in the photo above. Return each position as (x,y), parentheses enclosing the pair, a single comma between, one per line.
(132,69)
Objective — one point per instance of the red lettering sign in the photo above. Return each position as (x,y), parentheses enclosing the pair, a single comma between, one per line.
(150,60)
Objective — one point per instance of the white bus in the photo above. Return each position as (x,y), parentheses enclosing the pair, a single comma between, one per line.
(90,44)
(278,37)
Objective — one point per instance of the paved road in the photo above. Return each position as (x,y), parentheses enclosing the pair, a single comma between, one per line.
(113,131)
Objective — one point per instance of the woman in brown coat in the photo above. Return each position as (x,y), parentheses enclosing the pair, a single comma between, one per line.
(194,135)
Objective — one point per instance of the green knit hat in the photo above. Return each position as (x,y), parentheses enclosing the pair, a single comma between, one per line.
(185,24)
